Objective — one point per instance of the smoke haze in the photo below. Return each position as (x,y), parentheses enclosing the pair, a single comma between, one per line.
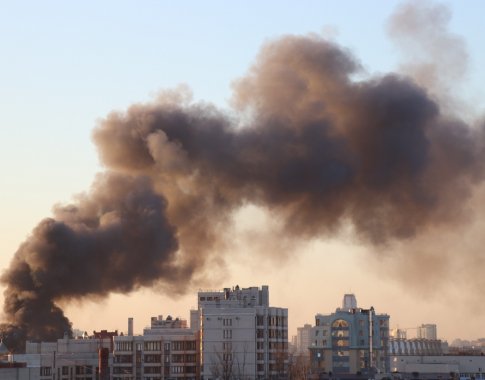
(314,147)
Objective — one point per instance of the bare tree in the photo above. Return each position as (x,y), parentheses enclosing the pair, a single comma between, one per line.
(229,364)
(298,367)
(222,365)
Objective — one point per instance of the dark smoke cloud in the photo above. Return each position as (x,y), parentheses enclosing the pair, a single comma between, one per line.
(318,149)
(314,147)
(114,239)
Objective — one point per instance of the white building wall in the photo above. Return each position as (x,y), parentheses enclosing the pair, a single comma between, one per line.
(229,338)
(465,365)
(303,339)
(427,331)
(19,374)
(240,334)
(65,359)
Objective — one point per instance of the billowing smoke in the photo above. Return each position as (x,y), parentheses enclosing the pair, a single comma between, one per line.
(114,239)
(315,147)
(435,57)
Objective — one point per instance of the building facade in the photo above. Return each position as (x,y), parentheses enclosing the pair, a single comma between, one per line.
(350,341)
(83,358)
(427,331)
(241,336)
(461,367)
(168,349)
(415,347)
(303,339)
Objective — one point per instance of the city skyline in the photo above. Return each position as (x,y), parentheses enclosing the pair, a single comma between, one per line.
(63,80)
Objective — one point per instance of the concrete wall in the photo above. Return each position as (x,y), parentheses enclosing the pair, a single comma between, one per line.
(19,374)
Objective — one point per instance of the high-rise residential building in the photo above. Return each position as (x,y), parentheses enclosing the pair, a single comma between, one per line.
(168,349)
(303,339)
(241,336)
(427,331)
(352,340)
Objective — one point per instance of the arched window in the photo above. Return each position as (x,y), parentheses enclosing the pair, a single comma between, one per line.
(339,323)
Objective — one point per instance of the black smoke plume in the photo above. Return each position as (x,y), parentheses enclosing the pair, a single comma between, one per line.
(314,146)
(114,239)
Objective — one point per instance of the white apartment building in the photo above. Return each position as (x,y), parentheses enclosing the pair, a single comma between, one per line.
(303,339)
(241,336)
(427,331)
(84,358)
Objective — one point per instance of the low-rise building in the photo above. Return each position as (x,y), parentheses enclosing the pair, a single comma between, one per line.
(411,347)
(168,349)
(438,367)
(85,358)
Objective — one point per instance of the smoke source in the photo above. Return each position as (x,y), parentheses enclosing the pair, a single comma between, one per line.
(314,147)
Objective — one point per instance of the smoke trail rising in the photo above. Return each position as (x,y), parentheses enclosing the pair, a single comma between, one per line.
(313,146)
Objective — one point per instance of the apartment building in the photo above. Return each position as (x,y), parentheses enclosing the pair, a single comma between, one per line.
(82,358)
(427,331)
(303,339)
(352,340)
(241,336)
(167,350)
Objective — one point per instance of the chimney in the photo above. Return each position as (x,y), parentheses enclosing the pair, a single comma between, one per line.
(130,326)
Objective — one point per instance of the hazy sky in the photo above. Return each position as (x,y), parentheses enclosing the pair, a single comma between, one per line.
(66,65)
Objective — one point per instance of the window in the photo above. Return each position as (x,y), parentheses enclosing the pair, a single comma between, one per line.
(178,358)
(153,346)
(122,370)
(153,359)
(177,369)
(124,346)
(190,369)
(45,371)
(339,323)
(190,358)
(81,370)
(123,358)
(153,369)
(181,345)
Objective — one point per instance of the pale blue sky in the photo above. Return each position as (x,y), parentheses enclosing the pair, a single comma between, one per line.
(65,64)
